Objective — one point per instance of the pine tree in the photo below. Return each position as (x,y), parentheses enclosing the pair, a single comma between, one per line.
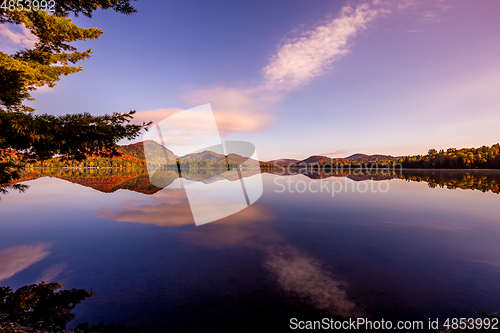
(72,136)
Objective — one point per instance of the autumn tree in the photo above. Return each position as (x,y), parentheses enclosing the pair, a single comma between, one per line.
(24,135)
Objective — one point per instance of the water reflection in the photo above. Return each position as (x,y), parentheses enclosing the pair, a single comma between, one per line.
(482,180)
(167,208)
(305,276)
(18,258)
(295,272)
(414,252)
(109,180)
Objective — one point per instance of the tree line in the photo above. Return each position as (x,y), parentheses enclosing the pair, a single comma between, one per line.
(466,158)
(452,158)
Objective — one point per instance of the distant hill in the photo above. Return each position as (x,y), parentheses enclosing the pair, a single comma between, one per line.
(358,155)
(316,159)
(365,158)
(325,159)
(205,155)
(218,158)
(283,161)
(133,155)
(157,153)
(237,159)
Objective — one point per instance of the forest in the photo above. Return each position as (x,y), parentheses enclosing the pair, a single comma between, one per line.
(465,158)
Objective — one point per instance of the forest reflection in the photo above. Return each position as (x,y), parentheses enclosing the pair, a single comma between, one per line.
(111,179)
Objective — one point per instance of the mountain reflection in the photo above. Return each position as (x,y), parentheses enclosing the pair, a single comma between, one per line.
(109,180)
(106,180)
(481,180)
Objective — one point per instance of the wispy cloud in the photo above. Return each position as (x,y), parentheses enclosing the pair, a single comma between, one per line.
(18,258)
(297,61)
(337,152)
(11,40)
(301,59)
(425,11)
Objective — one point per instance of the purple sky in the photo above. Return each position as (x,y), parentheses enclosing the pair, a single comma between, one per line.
(298,78)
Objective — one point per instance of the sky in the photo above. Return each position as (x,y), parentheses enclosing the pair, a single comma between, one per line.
(296,78)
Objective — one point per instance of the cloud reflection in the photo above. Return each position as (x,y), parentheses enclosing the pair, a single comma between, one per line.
(245,228)
(51,273)
(18,258)
(296,272)
(170,208)
(166,208)
(303,275)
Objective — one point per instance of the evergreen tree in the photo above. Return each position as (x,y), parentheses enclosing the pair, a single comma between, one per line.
(74,136)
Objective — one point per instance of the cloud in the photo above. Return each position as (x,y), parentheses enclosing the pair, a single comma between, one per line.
(18,258)
(337,152)
(10,39)
(425,11)
(46,89)
(155,115)
(243,121)
(296,62)
(493,263)
(228,121)
(248,109)
(431,17)
(301,59)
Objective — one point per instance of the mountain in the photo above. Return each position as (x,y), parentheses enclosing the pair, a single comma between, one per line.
(205,155)
(133,156)
(353,156)
(156,152)
(283,161)
(241,160)
(325,159)
(369,158)
(215,157)
(316,159)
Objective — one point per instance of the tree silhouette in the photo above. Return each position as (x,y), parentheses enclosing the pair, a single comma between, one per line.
(40,306)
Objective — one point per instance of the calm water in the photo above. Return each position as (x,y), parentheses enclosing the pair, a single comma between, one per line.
(409,250)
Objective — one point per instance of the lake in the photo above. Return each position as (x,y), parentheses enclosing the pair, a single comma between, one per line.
(424,244)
